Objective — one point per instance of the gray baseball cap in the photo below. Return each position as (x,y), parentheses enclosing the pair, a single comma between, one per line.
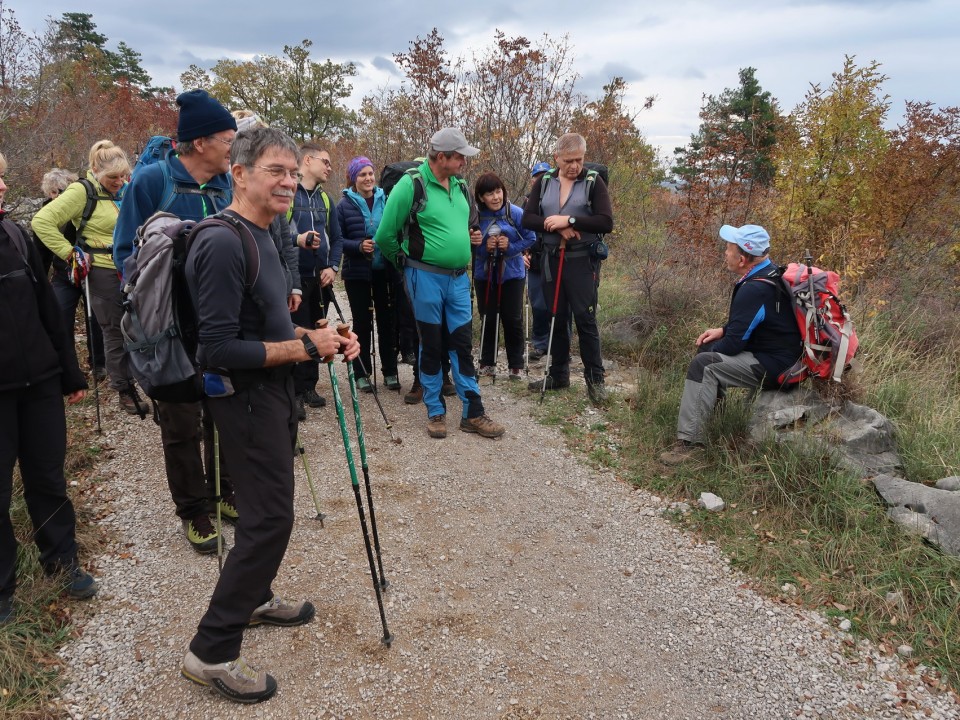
(452,140)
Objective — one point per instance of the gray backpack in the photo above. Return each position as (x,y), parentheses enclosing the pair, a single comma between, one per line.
(159,323)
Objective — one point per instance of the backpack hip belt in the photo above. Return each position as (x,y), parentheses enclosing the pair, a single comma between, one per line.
(452,272)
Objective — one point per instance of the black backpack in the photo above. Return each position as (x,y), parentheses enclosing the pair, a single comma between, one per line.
(159,323)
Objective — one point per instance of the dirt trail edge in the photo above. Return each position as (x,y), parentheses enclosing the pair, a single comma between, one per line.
(522,585)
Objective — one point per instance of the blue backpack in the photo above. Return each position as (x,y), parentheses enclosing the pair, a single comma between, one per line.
(158,148)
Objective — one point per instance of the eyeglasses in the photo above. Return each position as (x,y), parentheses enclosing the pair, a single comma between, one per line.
(228,143)
(278,173)
(325,161)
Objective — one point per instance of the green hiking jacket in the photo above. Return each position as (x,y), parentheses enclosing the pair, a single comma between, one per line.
(441,235)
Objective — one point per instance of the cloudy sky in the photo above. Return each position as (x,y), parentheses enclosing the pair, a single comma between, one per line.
(678,50)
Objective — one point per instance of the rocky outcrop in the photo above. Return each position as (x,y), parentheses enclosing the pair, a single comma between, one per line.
(927,511)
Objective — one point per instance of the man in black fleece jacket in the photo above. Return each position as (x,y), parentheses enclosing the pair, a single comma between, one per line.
(759,341)
(249,344)
(37,368)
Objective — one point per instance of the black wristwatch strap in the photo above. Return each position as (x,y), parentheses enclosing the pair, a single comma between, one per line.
(311,348)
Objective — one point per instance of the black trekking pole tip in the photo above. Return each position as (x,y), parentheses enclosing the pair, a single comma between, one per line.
(384,584)
(387,640)
(320,516)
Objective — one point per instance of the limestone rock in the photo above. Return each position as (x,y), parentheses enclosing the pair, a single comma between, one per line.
(711,502)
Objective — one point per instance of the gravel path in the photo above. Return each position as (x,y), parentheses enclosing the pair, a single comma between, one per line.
(523,585)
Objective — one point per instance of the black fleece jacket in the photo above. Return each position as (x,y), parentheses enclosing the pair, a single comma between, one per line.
(33,343)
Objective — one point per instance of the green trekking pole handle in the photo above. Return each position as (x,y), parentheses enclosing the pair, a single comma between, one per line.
(216,493)
(387,638)
(344,331)
(301,451)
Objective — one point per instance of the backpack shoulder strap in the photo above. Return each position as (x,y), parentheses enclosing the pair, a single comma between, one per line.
(19,241)
(326,207)
(543,186)
(591,181)
(88,208)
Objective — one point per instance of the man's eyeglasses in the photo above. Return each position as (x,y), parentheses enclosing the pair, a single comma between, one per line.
(325,161)
(228,143)
(278,173)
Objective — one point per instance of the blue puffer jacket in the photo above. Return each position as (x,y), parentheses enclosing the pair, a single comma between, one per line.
(519,239)
(357,223)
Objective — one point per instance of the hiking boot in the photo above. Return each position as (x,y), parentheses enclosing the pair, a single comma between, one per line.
(487,371)
(535,354)
(314,399)
(482,425)
(597,392)
(409,358)
(277,611)
(79,584)
(415,395)
(448,389)
(437,426)
(682,451)
(201,534)
(552,384)
(301,410)
(99,374)
(516,374)
(235,680)
(363,385)
(131,402)
(228,509)
(392,382)
(6,610)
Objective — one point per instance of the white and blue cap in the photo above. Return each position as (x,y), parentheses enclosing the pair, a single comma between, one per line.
(752,239)
(539,168)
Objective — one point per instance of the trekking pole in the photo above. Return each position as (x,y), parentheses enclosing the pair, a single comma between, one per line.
(93,358)
(808,258)
(344,331)
(486,305)
(373,336)
(526,327)
(496,324)
(553,319)
(306,469)
(216,496)
(376,395)
(387,638)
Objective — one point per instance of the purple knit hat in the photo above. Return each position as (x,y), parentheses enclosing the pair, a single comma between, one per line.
(355,166)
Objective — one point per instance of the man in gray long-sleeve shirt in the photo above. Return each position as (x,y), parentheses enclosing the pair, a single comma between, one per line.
(248,342)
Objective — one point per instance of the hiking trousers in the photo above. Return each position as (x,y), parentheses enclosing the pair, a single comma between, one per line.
(182,427)
(510,313)
(258,431)
(578,297)
(708,375)
(33,430)
(68,297)
(381,292)
(107,303)
(314,306)
(444,313)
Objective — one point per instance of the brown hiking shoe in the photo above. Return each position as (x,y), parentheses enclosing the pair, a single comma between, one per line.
(286,613)
(682,451)
(235,680)
(482,426)
(437,426)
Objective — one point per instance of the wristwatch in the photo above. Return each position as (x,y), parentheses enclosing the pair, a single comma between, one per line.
(335,268)
(310,347)
(571,219)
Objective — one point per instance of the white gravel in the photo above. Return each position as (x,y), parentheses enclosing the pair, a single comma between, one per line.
(523,585)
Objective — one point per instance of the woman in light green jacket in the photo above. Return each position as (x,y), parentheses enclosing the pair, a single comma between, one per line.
(109,170)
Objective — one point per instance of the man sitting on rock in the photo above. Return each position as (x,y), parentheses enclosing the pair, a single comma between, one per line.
(759,341)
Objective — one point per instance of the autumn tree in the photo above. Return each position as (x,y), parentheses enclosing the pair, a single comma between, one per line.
(293,92)
(827,167)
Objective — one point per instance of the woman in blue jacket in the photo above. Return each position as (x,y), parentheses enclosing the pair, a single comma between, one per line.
(371,282)
(499,274)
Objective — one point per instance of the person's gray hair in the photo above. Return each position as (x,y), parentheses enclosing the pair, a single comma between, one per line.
(250,145)
(56,179)
(186,147)
(570,143)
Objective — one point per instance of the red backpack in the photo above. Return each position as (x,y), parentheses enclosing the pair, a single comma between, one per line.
(829,339)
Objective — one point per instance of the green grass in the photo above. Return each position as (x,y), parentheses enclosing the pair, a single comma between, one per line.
(795,517)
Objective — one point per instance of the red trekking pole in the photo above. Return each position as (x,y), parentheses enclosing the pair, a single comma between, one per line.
(553,319)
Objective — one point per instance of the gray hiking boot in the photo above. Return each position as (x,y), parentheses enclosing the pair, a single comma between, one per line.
(285,613)
(598,393)
(235,680)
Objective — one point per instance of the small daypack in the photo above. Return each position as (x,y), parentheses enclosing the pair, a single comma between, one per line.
(19,241)
(159,323)
(829,338)
(157,149)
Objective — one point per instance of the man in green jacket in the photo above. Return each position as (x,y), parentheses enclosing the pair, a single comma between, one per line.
(432,248)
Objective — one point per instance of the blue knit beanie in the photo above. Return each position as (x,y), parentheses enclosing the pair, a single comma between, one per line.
(201,116)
